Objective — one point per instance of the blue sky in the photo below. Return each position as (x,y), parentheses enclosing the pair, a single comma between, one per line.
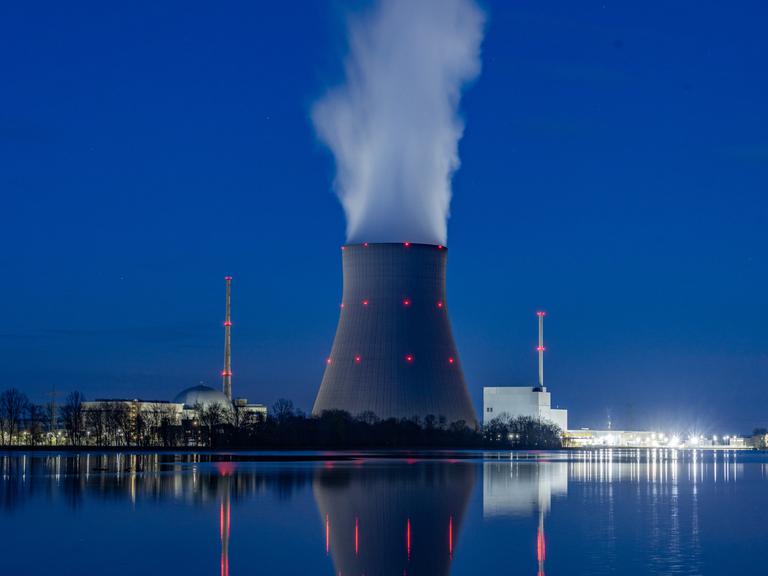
(614,172)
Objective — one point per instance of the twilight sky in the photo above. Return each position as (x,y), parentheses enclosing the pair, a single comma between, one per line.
(614,173)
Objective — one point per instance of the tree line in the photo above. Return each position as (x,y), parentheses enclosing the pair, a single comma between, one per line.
(116,424)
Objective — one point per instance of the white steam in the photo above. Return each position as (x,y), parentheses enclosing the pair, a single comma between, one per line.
(394,127)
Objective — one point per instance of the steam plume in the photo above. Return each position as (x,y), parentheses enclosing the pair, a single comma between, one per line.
(394,127)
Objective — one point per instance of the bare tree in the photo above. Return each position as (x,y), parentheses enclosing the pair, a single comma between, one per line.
(13,405)
(212,416)
(282,409)
(72,416)
(36,423)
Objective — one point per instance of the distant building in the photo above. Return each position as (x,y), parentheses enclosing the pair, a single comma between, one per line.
(760,440)
(202,397)
(516,401)
(738,442)
(254,411)
(615,438)
(128,411)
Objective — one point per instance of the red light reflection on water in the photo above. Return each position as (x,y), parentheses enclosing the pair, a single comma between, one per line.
(541,549)
(327,534)
(408,538)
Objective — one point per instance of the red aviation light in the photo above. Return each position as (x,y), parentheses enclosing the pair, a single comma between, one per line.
(341,305)
(227,323)
(440,304)
(225,373)
(343,247)
(407,244)
(540,348)
(409,358)
(227,277)
(440,246)
(358,359)
(541,313)
(406,302)
(365,302)
(328,360)
(365,244)
(451,360)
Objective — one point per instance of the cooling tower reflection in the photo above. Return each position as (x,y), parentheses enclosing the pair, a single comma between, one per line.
(385,519)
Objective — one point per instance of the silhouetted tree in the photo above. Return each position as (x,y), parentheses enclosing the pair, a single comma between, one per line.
(13,406)
(282,409)
(72,417)
(36,419)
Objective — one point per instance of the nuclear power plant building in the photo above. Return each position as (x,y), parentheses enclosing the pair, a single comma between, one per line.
(394,353)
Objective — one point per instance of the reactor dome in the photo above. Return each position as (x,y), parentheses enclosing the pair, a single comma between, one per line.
(203,395)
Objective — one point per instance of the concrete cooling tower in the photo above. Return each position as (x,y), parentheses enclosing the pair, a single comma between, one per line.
(394,353)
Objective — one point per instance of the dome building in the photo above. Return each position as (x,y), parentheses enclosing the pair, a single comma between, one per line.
(203,395)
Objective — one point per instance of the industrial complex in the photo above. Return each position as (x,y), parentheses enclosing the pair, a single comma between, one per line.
(393,356)
(187,407)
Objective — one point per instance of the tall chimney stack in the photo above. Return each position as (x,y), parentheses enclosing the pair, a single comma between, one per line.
(541,349)
(227,372)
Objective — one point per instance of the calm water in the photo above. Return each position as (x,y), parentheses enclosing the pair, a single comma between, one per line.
(619,512)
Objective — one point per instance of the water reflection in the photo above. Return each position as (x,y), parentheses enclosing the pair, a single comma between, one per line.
(393,519)
(597,512)
(524,487)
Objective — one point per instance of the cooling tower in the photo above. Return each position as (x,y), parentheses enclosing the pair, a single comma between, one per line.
(394,353)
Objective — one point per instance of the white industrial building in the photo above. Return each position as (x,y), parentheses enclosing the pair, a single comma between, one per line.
(515,401)
(531,401)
